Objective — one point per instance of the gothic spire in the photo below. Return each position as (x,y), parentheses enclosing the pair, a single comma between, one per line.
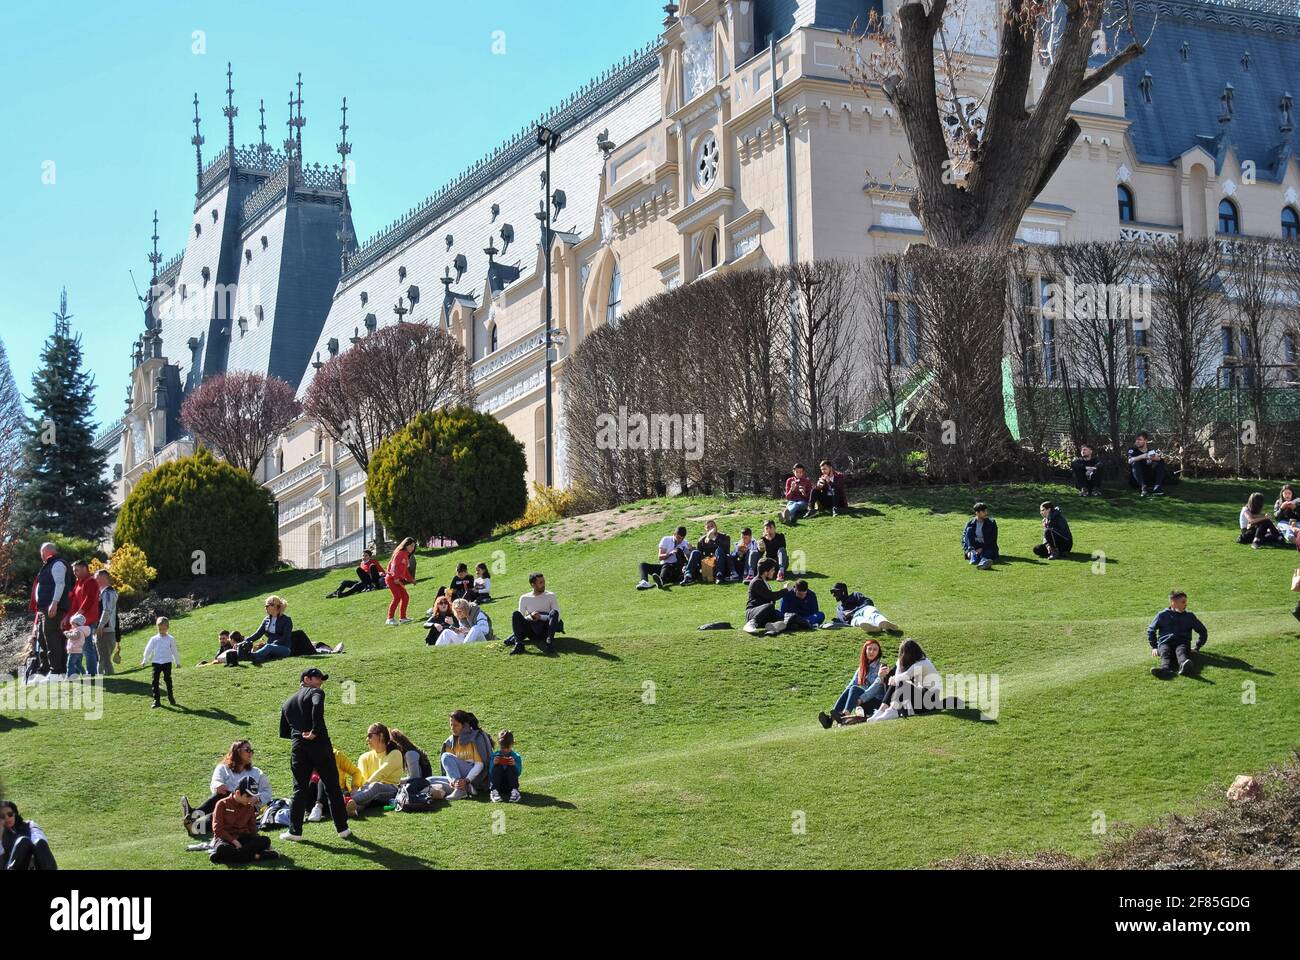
(298,122)
(262,148)
(154,260)
(197,140)
(231,111)
(345,229)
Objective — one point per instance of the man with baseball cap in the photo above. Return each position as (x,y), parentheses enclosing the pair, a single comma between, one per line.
(234,827)
(302,720)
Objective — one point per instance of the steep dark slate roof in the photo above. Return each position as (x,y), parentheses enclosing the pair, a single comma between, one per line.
(1185,94)
(776,18)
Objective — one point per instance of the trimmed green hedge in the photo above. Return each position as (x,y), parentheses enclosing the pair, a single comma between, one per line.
(200,503)
(451,473)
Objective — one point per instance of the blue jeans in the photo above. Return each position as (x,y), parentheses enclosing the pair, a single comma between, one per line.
(986,554)
(272,651)
(781,561)
(92,656)
(75,666)
(693,565)
(746,565)
(796,509)
(854,694)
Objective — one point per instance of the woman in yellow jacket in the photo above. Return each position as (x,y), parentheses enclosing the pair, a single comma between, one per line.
(350,780)
(381,770)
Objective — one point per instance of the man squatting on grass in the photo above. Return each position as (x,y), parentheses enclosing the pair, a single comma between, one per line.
(1170,636)
(537,619)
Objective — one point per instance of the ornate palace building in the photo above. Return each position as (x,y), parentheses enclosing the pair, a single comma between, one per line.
(732,140)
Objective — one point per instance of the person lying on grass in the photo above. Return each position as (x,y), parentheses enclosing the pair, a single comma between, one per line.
(1057,539)
(225,643)
(979,541)
(1170,637)
(228,774)
(858,610)
(866,688)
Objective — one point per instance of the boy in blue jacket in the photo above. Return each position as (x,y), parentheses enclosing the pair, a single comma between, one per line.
(799,607)
(979,541)
(1170,636)
(506,766)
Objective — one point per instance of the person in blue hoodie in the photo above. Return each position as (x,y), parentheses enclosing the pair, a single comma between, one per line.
(1057,539)
(979,541)
(1170,637)
(799,607)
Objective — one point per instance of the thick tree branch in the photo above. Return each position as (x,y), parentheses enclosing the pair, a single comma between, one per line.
(1095,78)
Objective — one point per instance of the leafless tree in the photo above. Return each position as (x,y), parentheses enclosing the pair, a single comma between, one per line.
(1255,292)
(822,340)
(239,414)
(371,391)
(884,370)
(1187,312)
(1030,377)
(1097,300)
(960,294)
(984,145)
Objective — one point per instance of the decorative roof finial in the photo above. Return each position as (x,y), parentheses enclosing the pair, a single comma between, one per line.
(262,148)
(197,140)
(231,111)
(1226,99)
(299,122)
(1286,126)
(670,9)
(344,235)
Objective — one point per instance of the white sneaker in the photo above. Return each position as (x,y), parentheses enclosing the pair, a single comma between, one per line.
(514,796)
(291,836)
(776,627)
(495,796)
(339,648)
(888,625)
(645,585)
(457,795)
(390,622)
(884,713)
(317,814)
(345,833)
(405,620)
(752,627)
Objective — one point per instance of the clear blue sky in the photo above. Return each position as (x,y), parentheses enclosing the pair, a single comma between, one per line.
(104,91)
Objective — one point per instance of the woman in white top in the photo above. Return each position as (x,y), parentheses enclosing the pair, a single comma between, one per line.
(915,686)
(472,625)
(234,767)
(1257,527)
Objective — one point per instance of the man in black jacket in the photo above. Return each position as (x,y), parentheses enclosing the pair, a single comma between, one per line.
(302,720)
(1170,637)
(1057,538)
(51,599)
(761,614)
(1086,469)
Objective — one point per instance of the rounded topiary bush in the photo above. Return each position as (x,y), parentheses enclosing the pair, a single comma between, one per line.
(451,473)
(200,516)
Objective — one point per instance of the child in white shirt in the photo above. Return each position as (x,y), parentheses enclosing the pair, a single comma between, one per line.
(482,583)
(162,652)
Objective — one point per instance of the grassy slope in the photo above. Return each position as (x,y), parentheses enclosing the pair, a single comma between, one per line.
(712,773)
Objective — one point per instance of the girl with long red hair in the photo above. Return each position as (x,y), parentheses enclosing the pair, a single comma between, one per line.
(865,689)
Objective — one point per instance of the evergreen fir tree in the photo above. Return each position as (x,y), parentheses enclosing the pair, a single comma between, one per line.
(13,423)
(64,487)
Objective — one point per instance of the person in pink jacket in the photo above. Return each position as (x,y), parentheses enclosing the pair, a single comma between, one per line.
(399,575)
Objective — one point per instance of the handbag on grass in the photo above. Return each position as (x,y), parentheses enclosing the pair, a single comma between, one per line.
(117,648)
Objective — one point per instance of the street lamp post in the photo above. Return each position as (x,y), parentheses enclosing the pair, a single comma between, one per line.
(548,139)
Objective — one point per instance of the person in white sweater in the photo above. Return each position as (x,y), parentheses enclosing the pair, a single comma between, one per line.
(161,651)
(472,625)
(914,686)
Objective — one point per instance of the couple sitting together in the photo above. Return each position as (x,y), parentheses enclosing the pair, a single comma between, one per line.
(275,639)
(455,620)
(878,691)
(712,560)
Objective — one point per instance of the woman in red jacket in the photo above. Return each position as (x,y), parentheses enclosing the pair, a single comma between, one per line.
(399,575)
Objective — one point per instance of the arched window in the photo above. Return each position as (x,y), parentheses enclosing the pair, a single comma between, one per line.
(1127,209)
(492,348)
(615,305)
(1290,223)
(1228,220)
(279,462)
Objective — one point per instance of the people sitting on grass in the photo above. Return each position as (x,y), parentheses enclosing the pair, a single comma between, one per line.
(462,584)
(226,776)
(744,559)
(440,618)
(234,827)
(979,541)
(858,610)
(23,844)
(674,553)
(866,688)
(1286,508)
(1147,466)
(1057,539)
(715,546)
(537,619)
(1086,470)
(350,780)
(277,629)
(772,546)
(1170,638)
(830,492)
(799,608)
(381,769)
(1257,527)
(761,612)
(162,654)
(472,625)
(482,583)
(798,495)
(466,757)
(913,687)
(400,573)
(415,762)
(370,576)
(507,767)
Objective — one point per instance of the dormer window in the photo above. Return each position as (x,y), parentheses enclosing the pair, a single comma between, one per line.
(214,215)
(265,242)
(248,255)
(206,274)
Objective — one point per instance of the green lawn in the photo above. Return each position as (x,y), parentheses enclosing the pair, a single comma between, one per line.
(728,761)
